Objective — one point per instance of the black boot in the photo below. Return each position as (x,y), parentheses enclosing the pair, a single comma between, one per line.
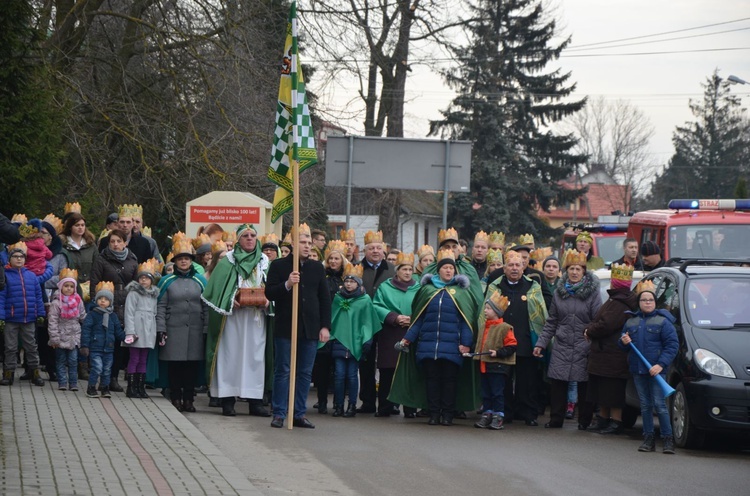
(599,424)
(114,385)
(141,383)
(257,409)
(614,427)
(668,445)
(213,402)
(434,419)
(227,407)
(130,392)
(7,378)
(36,378)
(338,410)
(648,444)
(27,374)
(447,419)
(484,422)
(351,411)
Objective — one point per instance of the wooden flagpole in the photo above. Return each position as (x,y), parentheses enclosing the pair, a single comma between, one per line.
(295,231)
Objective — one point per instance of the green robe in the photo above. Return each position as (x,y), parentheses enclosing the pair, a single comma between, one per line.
(409,385)
(353,322)
(389,298)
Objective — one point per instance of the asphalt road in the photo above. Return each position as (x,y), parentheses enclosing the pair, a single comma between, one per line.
(387,456)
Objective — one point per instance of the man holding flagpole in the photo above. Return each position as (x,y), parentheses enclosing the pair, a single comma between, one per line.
(292,152)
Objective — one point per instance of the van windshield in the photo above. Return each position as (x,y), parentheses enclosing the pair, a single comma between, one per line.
(719,301)
(709,241)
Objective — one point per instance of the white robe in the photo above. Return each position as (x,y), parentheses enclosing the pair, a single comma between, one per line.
(240,354)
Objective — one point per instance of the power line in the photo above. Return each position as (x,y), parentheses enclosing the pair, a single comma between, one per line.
(660,34)
(653,53)
(659,41)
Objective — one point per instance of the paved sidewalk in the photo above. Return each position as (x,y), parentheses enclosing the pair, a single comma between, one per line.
(62,442)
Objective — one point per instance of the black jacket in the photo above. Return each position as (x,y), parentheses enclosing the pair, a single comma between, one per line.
(314,300)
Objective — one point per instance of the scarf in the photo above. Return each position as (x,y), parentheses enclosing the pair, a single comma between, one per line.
(222,286)
(401,285)
(105,314)
(69,306)
(572,288)
(119,255)
(440,284)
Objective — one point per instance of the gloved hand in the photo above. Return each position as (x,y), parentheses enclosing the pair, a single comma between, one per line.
(161,338)
(401,346)
(2,325)
(84,352)
(40,321)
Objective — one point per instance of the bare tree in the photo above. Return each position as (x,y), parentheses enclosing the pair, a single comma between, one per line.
(615,136)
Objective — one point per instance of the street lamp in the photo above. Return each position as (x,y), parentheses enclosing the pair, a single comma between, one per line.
(736,80)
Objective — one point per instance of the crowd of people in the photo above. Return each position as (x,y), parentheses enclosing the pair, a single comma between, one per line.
(505,329)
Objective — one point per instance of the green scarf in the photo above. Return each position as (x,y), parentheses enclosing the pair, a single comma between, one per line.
(222,286)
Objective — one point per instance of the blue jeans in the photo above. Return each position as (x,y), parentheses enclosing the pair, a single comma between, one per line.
(493,393)
(100,365)
(306,351)
(345,372)
(652,398)
(573,392)
(66,362)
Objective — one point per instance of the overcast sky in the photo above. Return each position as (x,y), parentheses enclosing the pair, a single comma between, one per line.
(660,85)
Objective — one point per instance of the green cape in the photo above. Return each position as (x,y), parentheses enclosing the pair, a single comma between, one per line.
(388,298)
(408,386)
(475,288)
(353,322)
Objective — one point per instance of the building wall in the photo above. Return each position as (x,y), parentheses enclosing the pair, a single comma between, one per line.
(407,227)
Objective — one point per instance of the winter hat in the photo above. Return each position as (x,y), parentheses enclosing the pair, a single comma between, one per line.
(650,248)
(354,272)
(68,275)
(525,248)
(146,269)
(19,247)
(202,244)
(446,257)
(105,289)
(551,257)
(498,303)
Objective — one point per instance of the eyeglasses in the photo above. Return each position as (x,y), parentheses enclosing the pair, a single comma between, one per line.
(649,300)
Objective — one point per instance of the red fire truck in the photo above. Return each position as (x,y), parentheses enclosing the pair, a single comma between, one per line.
(608,233)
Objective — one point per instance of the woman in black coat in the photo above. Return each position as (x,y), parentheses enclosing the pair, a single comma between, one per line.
(118,265)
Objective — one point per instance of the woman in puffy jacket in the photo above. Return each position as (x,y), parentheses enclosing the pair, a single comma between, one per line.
(442,334)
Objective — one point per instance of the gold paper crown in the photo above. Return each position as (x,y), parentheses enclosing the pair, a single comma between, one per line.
(169,258)
(182,246)
(218,246)
(622,272)
(72,208)
(585,235)
(494,255)
(178,237)
(373,237)
(304,230)
(147,267)
(405,259)
(645,286)
(526,239)
(497,238)
(18,246)
(443,254)
(449,234)
(513,256)
(26,230)
(541,253)
(128,210)
(425,250)
(353,270)
(574,257)
(348,235)
(229,237)
(482,236)
(106,285)
(500,301)
(19,218)
(71,273)
(270,238)
(287,240)
(157,265)
(335,245)
(54,221)
(200,240)
(146,231)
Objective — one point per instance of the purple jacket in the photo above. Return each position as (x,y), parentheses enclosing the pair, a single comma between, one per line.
(21,300)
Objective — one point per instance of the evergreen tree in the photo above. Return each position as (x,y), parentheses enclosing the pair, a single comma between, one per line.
(506,102)
(711,152)
(30,120)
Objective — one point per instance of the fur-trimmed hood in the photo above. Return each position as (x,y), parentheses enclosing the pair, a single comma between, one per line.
(460,280)
(590,285)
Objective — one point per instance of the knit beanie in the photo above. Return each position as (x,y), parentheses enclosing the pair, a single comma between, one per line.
(67,279)
(650,248)
(105,293)
(551,257)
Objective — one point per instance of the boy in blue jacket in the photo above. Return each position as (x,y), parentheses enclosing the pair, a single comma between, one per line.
(653,333)
(98,334)
(21,305)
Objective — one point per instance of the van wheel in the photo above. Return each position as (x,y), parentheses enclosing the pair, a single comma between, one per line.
(629,416)
(686,435)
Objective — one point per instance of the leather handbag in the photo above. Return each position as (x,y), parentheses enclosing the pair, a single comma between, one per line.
(251,297)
